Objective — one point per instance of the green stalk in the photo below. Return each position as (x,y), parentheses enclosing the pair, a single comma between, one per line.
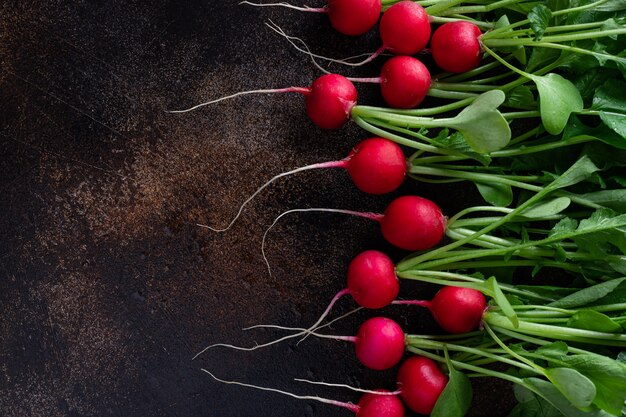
(498,321)
(465,281)
(497,31)
(427,344)
(462,365)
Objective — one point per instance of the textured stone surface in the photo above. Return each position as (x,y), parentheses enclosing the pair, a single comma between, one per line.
(107,287)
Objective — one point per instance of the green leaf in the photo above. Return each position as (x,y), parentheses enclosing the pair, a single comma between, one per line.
(546,208)
(592,320)
(611,101)
(607,374)
(613,199)
(576,387)
(588,296)
(456,398)
(531,405)
(579,171)
(482,125)
(540,57)
(520,97)
(558,98)
(551,394)
(518,51)
(457,142)
(554,349)
(496,292)
(539,18)
(495,193)
(575,129)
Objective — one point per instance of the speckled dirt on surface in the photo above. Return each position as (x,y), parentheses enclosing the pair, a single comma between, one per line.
(107,286)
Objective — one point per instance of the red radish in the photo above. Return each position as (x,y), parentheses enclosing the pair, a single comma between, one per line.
(375,403)
(458,309)
(420,382)
(350,17)
(329,100)
(376,166)
(404,82)
(372,282)
(405,28)
(455,309)
(379,343)
(456,46)
(353,17)
(409,222)
(413,223)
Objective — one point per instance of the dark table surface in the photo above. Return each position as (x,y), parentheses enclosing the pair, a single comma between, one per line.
(107,287)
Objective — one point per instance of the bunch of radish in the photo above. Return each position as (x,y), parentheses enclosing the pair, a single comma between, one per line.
(569,216)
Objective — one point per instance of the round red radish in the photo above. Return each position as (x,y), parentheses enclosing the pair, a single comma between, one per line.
(413,223)
(353,17)
(329,101)
(372,280)
(420,382)
(457,309)
(404,82)
(379,343)
(377,165)
(456,46)
(374,405)
(404,28)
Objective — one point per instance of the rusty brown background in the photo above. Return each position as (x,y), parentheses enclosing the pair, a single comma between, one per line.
(107,287)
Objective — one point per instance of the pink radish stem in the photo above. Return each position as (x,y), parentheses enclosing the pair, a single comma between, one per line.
(421,303)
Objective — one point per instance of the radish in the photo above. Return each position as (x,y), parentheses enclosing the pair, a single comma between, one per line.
(455,309)
(409,222)
(376,166)
(372,280)
(405,28)
(455,46)
(420,382)
(379,343)
(375,403)
(329,100)
(353,17)
(372,283)
(404,82)
(413,223)
(350,17)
